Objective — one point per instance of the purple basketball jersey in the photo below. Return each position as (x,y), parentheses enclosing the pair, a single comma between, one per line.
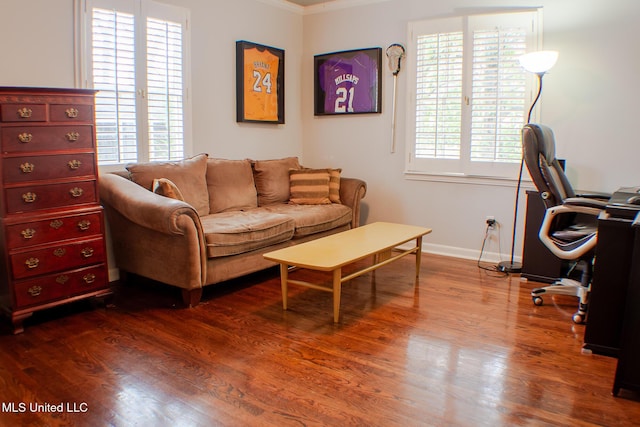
(350,84)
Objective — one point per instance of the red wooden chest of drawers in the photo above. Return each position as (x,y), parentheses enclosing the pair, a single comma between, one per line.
(51,223)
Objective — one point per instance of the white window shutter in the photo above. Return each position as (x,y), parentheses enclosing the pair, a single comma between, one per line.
(113,56)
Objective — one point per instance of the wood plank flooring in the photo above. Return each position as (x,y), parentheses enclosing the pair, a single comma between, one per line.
(463,348)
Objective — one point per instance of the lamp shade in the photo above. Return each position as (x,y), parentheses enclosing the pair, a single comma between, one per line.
(539,62)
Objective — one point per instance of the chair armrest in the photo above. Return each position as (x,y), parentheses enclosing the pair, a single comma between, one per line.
(595,195)
(352,191)
(144,207)
(545,227)
(586,202)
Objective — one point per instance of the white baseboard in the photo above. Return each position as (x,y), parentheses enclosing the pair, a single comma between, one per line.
(456,252)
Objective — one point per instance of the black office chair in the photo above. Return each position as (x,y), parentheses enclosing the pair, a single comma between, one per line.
(569,227)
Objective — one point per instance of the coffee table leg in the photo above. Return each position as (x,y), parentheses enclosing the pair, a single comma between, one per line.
(418,256)
(337,290)
(284,278)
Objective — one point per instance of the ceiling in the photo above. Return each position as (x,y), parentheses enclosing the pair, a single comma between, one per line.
(307,2)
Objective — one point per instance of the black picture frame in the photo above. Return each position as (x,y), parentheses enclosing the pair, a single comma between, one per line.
(259,83)
(348,82)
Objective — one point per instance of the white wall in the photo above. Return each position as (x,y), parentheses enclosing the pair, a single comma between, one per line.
(589,99)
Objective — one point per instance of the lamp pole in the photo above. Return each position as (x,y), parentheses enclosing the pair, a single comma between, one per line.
(538,63)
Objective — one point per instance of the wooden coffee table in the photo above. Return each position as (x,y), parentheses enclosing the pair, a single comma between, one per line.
(333,252)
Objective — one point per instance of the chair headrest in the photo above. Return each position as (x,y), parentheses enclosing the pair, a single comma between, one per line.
(546,141)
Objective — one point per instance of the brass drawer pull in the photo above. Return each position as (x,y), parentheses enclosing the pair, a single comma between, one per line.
(29,197)
(84,225)
(74,164)
(60,252)
(25,137)
(72,136)
(87,252)
(24,113)
(62,279)
(89,278)
(56,224)
(71,113)
(76,192)
(27,167)
(32,263)
(28,233)
(34,291)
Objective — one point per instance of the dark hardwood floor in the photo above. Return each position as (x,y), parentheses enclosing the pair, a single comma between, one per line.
(463,348)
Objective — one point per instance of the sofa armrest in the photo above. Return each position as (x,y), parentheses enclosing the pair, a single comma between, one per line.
(142,206)
(352,191)
(152,235)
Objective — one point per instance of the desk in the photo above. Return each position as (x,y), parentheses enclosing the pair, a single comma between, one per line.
(611,275)
(628,369)
(538,263)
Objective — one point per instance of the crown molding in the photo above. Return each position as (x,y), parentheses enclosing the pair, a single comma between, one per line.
(319,8)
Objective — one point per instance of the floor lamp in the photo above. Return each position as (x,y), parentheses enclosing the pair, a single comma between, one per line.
(538,63)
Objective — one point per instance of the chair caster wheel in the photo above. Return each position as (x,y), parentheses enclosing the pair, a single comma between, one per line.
(537,300)
(578,318)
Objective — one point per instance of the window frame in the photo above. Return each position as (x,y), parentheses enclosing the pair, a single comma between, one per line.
(141,9)
(462,170)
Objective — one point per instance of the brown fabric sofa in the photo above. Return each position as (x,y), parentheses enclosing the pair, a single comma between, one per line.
(232,212)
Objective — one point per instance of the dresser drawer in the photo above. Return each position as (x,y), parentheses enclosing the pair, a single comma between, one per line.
(70,113)
(54,229)
(23,112)
(47,196)
(35,168)
(64,256)
(61,285)
(22,139)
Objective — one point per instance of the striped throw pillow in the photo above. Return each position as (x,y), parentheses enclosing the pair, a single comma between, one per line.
(309,186)
(334,185)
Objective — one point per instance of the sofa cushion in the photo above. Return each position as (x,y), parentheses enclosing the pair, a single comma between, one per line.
(309,186)
(311,219)
(231,233)
(167,188)
(230,184)
(272,179)
(188,175)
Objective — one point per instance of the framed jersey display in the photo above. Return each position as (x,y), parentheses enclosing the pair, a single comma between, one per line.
(259,83)
(348,82)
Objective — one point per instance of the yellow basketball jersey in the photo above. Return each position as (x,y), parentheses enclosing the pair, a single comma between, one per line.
(260,85)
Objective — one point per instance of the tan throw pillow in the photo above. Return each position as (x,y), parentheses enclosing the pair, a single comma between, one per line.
(334,185)
(272,179)
(231,186)
(188,175)
(166,188)
(309,186)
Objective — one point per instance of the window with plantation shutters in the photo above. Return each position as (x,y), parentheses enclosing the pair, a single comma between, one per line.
(468,94)
(136,60)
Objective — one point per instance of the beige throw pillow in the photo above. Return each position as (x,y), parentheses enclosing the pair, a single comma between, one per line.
(188,175)
(272,179)
(309,186)
(231,186)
